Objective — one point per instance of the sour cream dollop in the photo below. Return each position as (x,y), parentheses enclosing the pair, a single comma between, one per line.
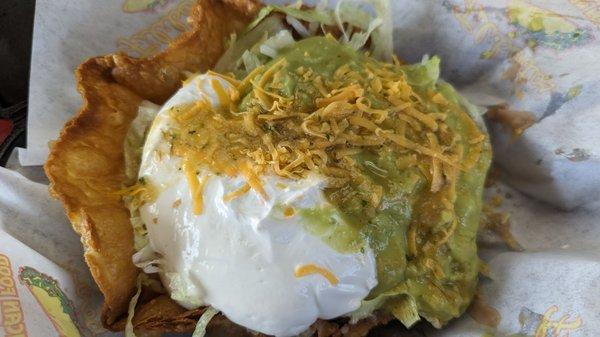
(243,256)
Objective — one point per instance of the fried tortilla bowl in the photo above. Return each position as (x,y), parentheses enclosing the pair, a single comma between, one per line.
(86,167)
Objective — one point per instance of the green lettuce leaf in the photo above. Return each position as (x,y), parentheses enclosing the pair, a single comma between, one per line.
(403,306)
(405,309)
(358,20)
(208,315)
(135,138)
(249,42)
(372,16)
(131,309)
(423,75)
(133,146)
(382,38)
(143,280)
(277,42)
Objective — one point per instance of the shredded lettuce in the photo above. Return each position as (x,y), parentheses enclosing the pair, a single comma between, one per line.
(183,291)
(232,58)
(374,19)
(140,239)
(274,44)
(382,38)
(134,140)
(133,146)
(367,307)
(405,309)
(250,60)
(423,75)
(359,39)
(403,306)
(350,12)
(147,260)
(357,20)
(131,309)
(206,317)
(262,14)
(297,25)
(152,283)
(143,280)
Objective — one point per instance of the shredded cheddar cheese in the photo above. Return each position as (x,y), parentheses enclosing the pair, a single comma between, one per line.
(229,78)
(139,193)
(254,181)
(246,81)
(310,269)
(237,193)
(288,212)
(436,167)
(347,112)
(412,240)
(196,184)
(222,94)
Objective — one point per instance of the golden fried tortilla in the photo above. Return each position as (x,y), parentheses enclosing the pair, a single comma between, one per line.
(86,167)
(86,163)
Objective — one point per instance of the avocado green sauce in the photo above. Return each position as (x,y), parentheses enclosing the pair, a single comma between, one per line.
(329,225)
(437,281)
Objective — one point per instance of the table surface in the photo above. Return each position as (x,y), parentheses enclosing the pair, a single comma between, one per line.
(16,27)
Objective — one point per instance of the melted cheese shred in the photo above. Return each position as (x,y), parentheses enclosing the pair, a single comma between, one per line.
(237,193)
(196,184)
(353,110)
(222,94)
(310,269)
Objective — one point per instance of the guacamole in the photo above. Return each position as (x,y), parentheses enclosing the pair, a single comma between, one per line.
(424,240)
